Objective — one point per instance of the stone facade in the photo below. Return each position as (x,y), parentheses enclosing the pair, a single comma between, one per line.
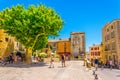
(6,44)
(111,41)
(77,44)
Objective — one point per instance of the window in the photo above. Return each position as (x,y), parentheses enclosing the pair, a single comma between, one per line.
(112,34)
(113,46)
(95,48)
(6,39)
(95,53)
(111,27)
(98,53)
(108,46)
(98,48)
(91,48)
(107,30)
(108,37)
(91,53)
(105,38)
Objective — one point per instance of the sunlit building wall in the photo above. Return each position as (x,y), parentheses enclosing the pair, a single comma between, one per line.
(6,44)
(111,41)
(95,52)
(78,44)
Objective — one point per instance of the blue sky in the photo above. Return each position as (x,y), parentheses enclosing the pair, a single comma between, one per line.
(87,16)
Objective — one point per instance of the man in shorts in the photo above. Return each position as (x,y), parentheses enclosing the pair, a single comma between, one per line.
(96,64)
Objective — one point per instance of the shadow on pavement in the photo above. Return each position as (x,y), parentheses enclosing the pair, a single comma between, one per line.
(23,65)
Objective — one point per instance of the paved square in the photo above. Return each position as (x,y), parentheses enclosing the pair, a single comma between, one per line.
(73,71)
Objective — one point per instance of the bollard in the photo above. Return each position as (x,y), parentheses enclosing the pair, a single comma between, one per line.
(96,77)
(93,72)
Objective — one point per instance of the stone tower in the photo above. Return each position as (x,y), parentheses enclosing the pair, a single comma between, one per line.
(77,44)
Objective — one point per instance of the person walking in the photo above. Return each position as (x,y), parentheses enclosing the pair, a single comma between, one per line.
(1,61)
(102,65)
(4,61)
(63,60)
(11,58)
(96,64)
(52,62)
(111,64)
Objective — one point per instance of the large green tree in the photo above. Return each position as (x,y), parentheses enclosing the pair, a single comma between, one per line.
(31,26)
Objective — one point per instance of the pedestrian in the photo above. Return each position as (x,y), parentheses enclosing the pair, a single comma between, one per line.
(11,58)
(4,61)
(116,64)
(1,61)
(52,62)
(102,65)
(63,60)
(111,64)
(96,64)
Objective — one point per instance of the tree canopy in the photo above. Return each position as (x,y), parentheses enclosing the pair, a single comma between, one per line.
(31,26)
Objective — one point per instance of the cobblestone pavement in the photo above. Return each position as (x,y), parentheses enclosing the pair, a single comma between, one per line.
(73,71)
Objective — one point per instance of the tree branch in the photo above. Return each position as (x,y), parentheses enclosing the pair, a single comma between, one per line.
(36,39)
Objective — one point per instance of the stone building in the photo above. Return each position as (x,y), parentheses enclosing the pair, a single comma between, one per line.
(6,44)
(96,51)
(78,44)
(60,46)
(64,47)
(111,41)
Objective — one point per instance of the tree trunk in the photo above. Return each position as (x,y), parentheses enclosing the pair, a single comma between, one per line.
(28,55)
